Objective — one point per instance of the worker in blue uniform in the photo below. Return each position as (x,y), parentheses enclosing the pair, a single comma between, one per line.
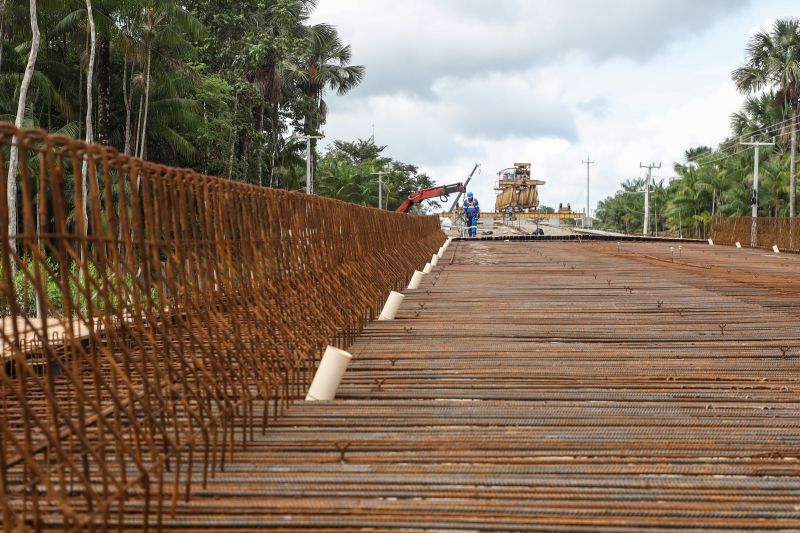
(472,212)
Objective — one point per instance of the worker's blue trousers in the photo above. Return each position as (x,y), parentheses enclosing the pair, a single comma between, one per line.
(472,225)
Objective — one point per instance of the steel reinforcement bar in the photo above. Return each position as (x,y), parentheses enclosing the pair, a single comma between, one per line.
(770,231)
(156,318)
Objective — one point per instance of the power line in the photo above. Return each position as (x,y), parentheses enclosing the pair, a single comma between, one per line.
(723,158)
(715,156)
(764,129)
(706,155)
(731,143)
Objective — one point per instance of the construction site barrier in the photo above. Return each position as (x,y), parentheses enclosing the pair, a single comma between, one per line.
(150,312)
(770,231)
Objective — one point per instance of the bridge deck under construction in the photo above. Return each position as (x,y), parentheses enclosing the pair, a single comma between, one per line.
(548,386)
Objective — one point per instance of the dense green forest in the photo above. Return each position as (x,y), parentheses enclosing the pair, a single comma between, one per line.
(220,87)
(715,182)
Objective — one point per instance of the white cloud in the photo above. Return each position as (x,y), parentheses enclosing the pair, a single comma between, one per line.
(452,82)
(408,45)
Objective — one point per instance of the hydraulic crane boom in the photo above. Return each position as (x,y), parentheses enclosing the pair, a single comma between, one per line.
(442,191)
(466,184)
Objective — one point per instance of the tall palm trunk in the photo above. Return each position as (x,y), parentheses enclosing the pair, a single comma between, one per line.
(260,151)
(89,107)
(234,134)
(275,136)
(103,88)
(127,96)
(713,202)
(2,30)
(23,94)
(143,144)
(793,165)
(139,122)
(144,99)
(316,124)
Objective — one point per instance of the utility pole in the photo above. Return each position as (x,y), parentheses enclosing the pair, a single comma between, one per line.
(380,175)
(649,168)
(587,220)
(309,177)
(754,197)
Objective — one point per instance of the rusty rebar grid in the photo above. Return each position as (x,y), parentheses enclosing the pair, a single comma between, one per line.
(187,314)
(769,231)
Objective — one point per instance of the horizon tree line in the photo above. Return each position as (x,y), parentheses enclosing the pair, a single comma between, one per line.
(717,182)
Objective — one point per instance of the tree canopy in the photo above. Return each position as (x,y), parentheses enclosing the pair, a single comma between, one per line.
(348,171)
(713,182)
(215,86)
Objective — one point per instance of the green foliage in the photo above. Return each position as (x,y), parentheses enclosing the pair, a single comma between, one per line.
(101,289)
(772,73)
(215,86)
(82,286)
(714,182)
(347,171)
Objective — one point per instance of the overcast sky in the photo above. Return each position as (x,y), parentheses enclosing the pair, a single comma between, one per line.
(453,82)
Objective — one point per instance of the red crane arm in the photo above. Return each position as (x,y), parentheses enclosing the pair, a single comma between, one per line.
(426,194)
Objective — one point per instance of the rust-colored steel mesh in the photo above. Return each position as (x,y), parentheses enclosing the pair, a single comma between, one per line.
(770,231)
(136,348)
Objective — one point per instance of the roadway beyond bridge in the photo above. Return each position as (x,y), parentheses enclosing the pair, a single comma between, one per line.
(548,386)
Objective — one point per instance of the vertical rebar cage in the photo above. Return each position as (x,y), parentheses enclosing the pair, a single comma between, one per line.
(146,311)
(782,232)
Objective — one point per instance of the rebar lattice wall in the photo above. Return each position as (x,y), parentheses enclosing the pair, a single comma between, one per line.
(770,231)
(135,350)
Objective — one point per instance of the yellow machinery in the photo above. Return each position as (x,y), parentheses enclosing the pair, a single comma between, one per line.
(517,191)
(531,215)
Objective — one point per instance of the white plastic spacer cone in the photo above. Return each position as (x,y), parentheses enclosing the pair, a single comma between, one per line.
(434,260)
(329,375)
(392,305)
(427,269)
(416,279)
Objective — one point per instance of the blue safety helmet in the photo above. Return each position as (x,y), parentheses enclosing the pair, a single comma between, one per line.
(470,195)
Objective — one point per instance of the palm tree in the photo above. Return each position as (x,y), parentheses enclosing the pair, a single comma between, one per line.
(773,62)
(3,16)
(774,190)
(690,194)
(277,70)
(625,210)
(89,110)
(109,18)
(163,27)
(736,197)
(761,115)
(327,67)
(23,96)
